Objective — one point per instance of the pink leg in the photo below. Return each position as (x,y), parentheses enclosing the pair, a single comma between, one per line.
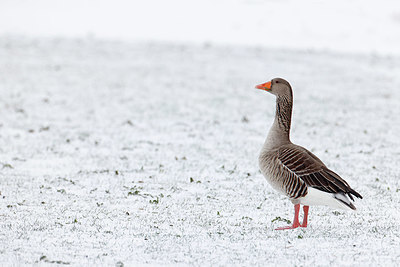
(295,220)
(304,224)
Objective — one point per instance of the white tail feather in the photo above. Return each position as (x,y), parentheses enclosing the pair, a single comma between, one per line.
(316,197)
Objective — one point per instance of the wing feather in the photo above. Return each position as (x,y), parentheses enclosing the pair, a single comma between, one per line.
(303,166)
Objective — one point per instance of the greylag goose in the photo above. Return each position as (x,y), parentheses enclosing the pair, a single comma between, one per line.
(293,170)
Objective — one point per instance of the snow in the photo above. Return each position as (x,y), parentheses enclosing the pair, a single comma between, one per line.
(130,130)
(117,152)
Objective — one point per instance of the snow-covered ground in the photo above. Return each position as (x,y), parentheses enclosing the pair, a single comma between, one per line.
(134,153)
(130,130)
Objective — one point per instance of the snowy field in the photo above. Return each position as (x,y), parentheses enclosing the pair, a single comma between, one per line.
(146,153)
(130,130)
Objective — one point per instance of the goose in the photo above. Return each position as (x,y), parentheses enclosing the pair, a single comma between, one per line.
(293,170)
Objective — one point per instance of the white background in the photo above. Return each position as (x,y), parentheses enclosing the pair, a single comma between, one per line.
(344,25)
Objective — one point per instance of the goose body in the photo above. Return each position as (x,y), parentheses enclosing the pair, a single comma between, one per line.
(293,170)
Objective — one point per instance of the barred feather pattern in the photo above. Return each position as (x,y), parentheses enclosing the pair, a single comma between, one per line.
(291,169)
(312,171)
(284,111)
(280,177)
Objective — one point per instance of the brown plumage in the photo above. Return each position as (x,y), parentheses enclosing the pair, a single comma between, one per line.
(292,169)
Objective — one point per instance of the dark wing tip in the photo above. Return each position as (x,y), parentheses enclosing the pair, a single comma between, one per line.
(348,204)
(356,194)
(343,185)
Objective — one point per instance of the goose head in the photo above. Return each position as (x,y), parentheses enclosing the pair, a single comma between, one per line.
(277,87)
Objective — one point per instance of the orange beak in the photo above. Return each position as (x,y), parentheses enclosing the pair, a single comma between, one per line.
(264,86)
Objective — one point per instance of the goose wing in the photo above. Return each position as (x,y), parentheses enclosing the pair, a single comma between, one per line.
(308,168)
